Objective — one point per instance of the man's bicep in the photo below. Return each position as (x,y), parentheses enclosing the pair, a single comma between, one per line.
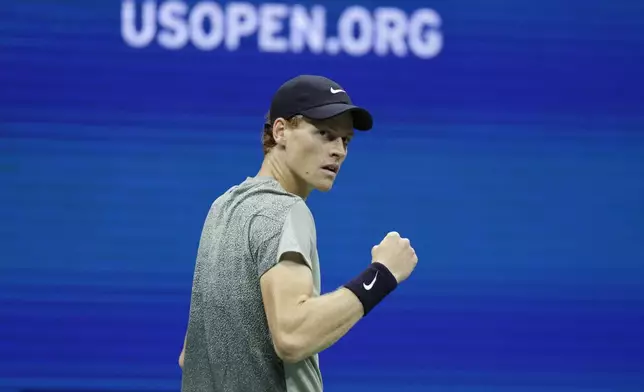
(284,287)
(288,283)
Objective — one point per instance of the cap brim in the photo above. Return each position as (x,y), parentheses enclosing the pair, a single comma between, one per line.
(362,119)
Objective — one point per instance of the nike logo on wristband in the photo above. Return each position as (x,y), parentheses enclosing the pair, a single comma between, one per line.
(370,285)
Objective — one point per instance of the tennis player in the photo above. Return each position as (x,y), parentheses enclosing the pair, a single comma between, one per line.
(257,318)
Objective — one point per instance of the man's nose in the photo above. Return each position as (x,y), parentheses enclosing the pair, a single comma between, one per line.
(338,149)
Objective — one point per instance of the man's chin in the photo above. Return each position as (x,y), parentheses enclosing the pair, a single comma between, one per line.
(324,185)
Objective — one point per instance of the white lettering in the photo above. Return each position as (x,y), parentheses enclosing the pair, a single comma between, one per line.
(391,26)
(143,37)
(213,13)
(307,29)
(430,43)
(356,17)
(281,27)
(332,46)
(270,24)
(172,16)
(241,21)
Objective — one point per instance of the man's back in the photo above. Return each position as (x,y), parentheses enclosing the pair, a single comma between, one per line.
(228,344)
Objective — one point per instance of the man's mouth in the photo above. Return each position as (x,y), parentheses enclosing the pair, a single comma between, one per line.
(331,168)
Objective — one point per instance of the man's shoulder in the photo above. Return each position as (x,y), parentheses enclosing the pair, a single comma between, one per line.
(262,196)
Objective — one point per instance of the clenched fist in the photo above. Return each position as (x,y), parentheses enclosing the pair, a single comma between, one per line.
(396,254)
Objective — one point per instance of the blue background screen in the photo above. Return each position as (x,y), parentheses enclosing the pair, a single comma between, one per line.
(508,146)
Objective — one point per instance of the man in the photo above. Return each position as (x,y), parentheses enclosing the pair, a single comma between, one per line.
(257,319)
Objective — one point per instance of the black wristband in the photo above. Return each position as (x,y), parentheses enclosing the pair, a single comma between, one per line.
(372,285)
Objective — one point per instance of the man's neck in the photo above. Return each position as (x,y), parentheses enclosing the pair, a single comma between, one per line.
(274,167)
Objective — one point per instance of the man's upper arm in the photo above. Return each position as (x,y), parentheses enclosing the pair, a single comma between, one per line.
(284,267)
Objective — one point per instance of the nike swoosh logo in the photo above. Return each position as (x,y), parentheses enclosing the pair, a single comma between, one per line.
(370,285)
(334,91)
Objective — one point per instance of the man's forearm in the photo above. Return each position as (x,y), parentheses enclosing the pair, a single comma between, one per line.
(321,321)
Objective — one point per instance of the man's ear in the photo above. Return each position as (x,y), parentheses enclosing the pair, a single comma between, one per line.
(279,132)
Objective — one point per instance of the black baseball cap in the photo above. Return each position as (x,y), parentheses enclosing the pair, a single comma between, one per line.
(317,98)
